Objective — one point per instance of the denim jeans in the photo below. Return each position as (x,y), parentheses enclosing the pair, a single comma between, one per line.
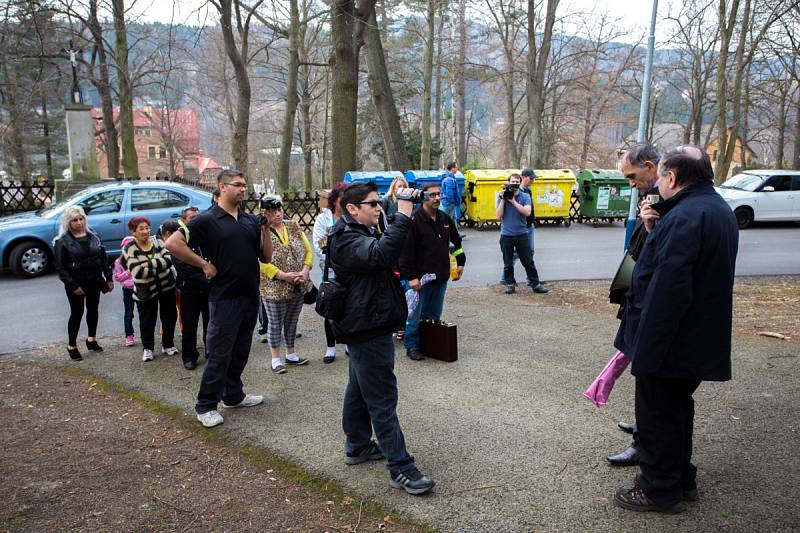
(451,211)
(431,302)
(531,231)
(129,304)
(521,245)
(230,335)
(370,401)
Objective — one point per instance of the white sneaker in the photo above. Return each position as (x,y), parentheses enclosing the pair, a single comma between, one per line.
(147,355)
(210,419)
(249,401)
(171,351)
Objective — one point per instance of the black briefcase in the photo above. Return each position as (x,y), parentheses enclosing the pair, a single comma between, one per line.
(439,340)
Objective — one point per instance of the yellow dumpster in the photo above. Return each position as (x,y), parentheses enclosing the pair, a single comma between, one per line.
(481,188)
(552,194)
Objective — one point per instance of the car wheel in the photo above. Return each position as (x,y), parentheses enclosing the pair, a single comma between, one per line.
(29,259)
(744,217)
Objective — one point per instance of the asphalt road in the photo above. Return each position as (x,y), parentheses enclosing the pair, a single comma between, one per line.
(33,312)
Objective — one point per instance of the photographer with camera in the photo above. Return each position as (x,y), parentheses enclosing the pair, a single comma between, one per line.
(513,207)
(374,306)
(427,251)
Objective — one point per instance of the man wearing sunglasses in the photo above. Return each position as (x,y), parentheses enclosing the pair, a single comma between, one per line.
(427,251)
(233,243)
(375,306)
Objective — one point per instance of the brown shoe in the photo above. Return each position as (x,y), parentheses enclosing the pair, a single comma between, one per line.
(636,500)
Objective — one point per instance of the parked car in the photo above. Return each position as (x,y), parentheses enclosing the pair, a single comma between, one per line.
(26,239)
(763,195)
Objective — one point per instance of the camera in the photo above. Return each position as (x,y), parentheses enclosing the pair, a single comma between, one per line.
(509,189)
(413,198)
(271,202)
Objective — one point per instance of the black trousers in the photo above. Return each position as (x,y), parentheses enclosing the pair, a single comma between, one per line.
(163,304)
(230,335)
(330,337)
(520,244)
(91,300)
(194,305)
(665,420)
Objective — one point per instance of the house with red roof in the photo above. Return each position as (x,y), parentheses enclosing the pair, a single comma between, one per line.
(167,141)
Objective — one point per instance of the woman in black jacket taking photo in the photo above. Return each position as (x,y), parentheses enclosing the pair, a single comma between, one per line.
(84,269)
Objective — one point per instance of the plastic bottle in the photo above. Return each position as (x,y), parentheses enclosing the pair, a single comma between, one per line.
(453,268)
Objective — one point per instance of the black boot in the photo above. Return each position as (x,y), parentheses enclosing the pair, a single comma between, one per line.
(74,354)
(93,346)
(628,457)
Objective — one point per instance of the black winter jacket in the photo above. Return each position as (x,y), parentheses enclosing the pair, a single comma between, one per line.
(375,303)
(427,247)
(677,322)
(76,269)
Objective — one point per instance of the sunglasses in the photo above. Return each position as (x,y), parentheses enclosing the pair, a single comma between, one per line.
(372,203)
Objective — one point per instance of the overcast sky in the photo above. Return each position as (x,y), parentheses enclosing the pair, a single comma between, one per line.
(634,15)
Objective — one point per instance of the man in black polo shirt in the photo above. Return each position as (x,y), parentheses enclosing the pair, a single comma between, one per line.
(233,243)
(427,251)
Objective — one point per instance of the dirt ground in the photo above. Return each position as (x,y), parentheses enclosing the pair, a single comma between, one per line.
(80,457)
(761,304)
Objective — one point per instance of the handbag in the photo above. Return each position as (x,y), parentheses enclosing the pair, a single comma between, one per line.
(331,294)
(310,296)
(622,279)
(438,340)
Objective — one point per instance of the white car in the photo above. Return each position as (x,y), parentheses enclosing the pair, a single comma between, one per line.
(763,195)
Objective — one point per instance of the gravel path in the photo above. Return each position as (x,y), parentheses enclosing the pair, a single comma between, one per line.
(505,431)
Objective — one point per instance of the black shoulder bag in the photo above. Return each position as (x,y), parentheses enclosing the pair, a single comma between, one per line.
(331,294)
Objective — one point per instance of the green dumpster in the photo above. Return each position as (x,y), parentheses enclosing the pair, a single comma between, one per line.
(603,194)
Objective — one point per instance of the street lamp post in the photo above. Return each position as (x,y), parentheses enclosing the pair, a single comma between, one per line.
(643,110)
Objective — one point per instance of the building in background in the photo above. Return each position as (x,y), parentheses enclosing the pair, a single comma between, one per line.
(167,142)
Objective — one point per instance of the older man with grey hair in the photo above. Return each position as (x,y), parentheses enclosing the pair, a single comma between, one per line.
(639,165)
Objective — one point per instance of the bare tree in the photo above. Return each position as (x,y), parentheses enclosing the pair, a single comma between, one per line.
(383,98)
(538,55)
(130,161)
(230,13)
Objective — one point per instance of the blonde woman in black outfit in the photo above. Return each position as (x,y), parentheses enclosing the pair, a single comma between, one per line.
(84,269)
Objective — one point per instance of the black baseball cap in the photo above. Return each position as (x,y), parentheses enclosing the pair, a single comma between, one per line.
(528,173)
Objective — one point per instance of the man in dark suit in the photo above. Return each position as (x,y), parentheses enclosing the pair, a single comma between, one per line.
(677,325)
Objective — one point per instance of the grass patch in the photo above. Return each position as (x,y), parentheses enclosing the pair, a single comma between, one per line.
(261,457)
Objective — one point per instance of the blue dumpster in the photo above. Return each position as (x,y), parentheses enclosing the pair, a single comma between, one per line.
(383,179)
(417,178)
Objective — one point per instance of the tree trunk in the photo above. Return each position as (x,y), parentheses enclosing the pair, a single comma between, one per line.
(427,81)
(511,158)
(48,149)
(437,99)
(779,149)
(796,152)
(344,91)
(238,59)
(130,161)
(287,134)
(383,99)
(460,87)
(537,65)
(103,86)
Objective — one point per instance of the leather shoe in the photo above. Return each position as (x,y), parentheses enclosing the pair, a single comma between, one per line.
(628,457)
(540,289)
(627,427)
(189,365)
(415,354)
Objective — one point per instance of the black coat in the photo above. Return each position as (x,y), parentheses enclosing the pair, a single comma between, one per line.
(677,322)
(427,247)
(77,269)
(375,302)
